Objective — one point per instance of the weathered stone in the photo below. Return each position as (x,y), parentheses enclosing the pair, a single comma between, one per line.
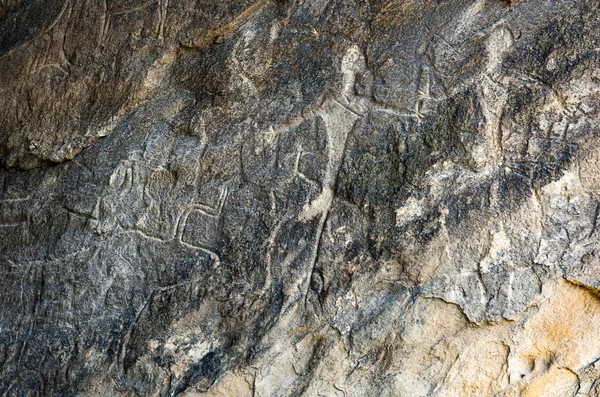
(285,198)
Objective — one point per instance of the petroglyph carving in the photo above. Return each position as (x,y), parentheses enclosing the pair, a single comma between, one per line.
(12,211)
(120,184)
(52,41)
(200,236)
(112,9)
(323,197)
(136,196)
(494,93)
(203,228)
(429,86)
(339,115)
(163,7)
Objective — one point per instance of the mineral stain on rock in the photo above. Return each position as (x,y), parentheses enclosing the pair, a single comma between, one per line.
(299,198)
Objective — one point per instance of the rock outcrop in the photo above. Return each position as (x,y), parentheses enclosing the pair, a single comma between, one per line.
(299,198)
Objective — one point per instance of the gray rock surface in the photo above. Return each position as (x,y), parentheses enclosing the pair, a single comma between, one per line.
(299,198)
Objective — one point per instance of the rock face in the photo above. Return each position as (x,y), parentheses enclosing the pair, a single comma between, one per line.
(299,198)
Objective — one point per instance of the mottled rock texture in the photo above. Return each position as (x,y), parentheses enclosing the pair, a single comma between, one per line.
(300,198)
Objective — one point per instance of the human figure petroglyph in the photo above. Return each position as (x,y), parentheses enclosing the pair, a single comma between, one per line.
(494,94)
(339,114)
(505,146)
(429,88)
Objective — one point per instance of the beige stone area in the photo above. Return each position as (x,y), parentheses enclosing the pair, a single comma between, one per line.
(238,384)
(558,343)
(549,350)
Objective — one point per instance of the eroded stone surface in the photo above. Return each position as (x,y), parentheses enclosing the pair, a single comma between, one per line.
(285,198)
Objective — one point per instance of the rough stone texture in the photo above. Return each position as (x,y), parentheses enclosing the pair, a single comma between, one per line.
(299,198)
